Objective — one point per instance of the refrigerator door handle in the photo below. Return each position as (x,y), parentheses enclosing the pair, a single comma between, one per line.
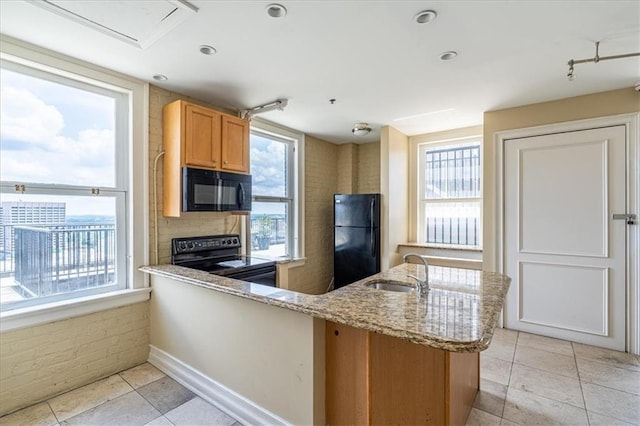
(372,204)
(373,243)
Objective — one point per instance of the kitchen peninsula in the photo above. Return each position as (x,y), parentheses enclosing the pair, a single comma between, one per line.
(354,355)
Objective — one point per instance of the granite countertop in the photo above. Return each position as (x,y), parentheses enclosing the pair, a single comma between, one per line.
(458,314)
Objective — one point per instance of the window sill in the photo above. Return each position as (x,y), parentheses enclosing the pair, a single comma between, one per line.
(292,262)
(458,257)
(443,246)
(42,314)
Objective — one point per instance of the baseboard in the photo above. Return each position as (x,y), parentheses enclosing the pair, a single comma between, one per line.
(232,403)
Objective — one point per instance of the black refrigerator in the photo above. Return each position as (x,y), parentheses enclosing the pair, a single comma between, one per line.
(356,237)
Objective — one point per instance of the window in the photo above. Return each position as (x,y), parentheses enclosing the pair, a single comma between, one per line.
(65,184)
(275,228)
(449,194)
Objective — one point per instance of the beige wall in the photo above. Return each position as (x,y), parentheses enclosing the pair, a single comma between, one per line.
(321,182)
(347,171)
(394,172)
(192,223)
(272,356)
(359,168)
(368,168)
(39,362)
(570,109)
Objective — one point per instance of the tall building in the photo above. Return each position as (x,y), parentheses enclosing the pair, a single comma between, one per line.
(14,213)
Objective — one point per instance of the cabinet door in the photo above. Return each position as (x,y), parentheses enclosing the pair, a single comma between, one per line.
(202,137)
(346,373)
(235,144)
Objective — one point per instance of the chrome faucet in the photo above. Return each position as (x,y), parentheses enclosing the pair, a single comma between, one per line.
(421,286)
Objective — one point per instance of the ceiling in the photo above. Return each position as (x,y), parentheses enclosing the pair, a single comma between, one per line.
(372,57)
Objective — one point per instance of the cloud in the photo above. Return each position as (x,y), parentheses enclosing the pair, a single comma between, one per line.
(35,151)
(25,118)
(268,167)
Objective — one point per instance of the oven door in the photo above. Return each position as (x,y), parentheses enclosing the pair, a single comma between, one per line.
(265,276)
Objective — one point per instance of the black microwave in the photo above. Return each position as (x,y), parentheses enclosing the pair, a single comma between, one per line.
(211,191)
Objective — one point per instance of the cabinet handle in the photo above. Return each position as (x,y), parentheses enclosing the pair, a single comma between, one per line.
(226,162)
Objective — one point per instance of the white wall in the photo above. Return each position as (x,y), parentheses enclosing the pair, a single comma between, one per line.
(272,356)
(394,185)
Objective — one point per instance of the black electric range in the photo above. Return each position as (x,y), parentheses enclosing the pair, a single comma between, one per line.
(220,255)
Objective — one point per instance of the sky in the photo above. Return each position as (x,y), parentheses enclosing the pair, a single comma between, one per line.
(56,134)
(268,173)
(268,166)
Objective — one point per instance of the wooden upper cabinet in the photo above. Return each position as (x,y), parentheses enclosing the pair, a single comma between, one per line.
(202,137)
(235,146)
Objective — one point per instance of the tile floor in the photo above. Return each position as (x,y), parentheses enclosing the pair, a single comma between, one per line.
(533,380)
(142,395)
(525,380)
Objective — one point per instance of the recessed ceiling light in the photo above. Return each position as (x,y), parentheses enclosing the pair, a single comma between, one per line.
(425,16)
(205,49)
(447,56)
(276,10)
(160,77)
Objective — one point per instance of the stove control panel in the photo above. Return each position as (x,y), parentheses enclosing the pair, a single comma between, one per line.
(196,244)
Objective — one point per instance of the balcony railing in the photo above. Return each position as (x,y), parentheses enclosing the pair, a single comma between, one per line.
(267,230)
(51,259)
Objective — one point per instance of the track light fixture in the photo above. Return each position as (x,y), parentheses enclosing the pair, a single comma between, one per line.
(597,58)
(279,104)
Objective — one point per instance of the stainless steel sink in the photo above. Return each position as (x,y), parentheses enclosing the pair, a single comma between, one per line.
(391,286)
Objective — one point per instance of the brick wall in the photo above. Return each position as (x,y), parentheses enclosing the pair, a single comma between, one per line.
(321,183)
(192,223)
(39,362)
(368,168)
(347,168)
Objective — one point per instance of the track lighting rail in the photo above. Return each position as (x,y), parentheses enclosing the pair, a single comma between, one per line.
(597,58)
(279,104)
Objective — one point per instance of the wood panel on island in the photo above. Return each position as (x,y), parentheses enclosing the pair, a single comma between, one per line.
(375,379)
(200,137)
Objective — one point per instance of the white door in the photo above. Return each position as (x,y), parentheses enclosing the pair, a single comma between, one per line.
(564,252)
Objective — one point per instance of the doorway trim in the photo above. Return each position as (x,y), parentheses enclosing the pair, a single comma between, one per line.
(632,126)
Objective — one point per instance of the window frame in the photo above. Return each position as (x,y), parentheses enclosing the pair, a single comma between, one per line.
(295,183)
(418,145)
(130,189)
